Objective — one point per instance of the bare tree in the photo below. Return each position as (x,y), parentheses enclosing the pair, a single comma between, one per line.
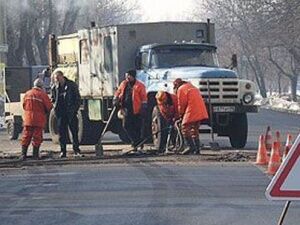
(30,24)
(257,29)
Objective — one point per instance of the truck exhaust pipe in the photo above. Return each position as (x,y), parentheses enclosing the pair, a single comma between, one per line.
(208,31)
(52,52)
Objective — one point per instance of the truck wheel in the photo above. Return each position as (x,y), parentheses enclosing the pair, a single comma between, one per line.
(12,130)
(238,131)
(89,131)
(159,135)
(53,130)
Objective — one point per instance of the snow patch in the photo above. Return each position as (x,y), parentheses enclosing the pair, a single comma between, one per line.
(278,102)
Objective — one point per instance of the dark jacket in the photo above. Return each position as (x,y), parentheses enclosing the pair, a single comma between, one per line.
(72,98)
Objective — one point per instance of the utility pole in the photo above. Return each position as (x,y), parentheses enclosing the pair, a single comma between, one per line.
(3,59)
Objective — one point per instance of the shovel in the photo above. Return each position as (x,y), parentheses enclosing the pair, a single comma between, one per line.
(98,146)
(213,145)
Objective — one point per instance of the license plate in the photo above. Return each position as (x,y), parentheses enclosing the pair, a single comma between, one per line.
(223,108)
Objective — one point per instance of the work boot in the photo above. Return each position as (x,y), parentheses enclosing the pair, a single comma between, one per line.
(78,155)
(24,153)
(63,153)
(35,152)
(190,146)
(197,146)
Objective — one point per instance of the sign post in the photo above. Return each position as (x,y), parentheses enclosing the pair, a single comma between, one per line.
(285,185)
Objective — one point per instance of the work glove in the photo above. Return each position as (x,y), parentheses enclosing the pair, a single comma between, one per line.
(116,101)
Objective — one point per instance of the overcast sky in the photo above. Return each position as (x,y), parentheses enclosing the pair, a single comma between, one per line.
(158,10)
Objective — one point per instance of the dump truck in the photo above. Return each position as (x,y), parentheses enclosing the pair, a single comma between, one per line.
(97,58)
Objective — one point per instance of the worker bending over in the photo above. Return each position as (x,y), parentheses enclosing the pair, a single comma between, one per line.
(168,107)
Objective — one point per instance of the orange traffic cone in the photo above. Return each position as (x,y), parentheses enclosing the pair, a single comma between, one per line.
(268,139)
(262,157)
(275,159)
(288,145)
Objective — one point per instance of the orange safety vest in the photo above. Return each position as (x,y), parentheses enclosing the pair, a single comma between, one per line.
(191,106)
(36,105)
(169,109)
(139,95)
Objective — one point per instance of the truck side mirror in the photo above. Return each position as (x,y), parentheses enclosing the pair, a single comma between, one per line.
(138,60)
(234,61)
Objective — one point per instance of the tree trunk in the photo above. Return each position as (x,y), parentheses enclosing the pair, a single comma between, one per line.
(19,53)
(29,51)
(279,83)
(294,80)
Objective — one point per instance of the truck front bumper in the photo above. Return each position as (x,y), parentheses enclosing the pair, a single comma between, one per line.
(233,108)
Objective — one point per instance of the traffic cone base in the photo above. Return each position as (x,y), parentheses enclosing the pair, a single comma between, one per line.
(275,159)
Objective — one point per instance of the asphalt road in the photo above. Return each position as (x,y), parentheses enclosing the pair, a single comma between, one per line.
(147,194)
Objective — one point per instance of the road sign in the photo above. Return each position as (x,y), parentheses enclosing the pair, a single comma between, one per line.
(285,185)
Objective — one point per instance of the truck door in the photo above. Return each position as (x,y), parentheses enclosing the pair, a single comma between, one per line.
(97,79)
(108,66)
(84,64)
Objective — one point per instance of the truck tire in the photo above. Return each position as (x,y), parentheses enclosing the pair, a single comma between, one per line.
(53,130)
(238,130)
(159,133)
(89,131)
(13,130)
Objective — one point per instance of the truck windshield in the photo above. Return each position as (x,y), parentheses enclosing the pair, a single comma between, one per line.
(176,57)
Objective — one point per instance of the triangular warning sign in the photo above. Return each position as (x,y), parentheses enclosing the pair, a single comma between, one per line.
(285,185)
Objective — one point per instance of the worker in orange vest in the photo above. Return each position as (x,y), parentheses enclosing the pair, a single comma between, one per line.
(131,98)
(168,107)
(36,105)
(192,110)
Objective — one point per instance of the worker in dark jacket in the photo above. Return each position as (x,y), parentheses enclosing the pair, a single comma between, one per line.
(66,99)
(131,97)
(36,105)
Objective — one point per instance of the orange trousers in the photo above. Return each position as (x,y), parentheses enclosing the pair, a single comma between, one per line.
(32,133)
(190,130)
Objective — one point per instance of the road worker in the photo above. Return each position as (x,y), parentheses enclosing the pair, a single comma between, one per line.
(192,111)
(168,107)
(36,105)
(66,99)
(131,98)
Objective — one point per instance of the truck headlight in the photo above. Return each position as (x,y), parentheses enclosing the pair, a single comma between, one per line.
(247,98)
(248,86)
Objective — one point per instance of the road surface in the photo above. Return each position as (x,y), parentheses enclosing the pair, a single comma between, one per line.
(148,194)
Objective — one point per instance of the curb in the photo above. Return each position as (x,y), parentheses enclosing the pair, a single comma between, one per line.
(281,110)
